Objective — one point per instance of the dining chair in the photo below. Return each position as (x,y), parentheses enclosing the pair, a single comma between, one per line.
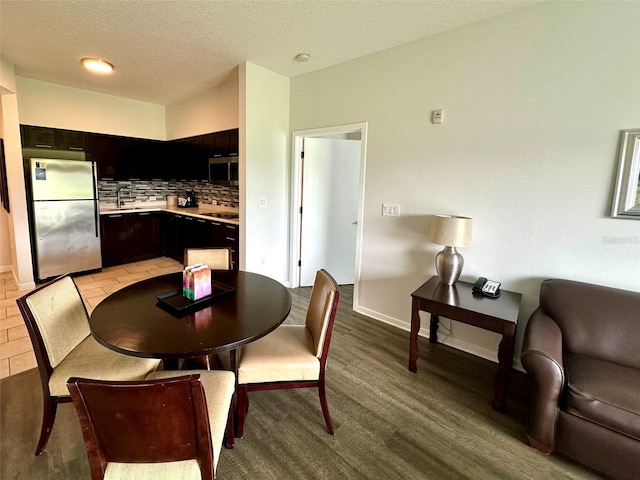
(164,427)
(214,258)
(57,322)
(292,356)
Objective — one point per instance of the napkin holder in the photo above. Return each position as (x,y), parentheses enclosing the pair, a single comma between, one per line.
(196,282)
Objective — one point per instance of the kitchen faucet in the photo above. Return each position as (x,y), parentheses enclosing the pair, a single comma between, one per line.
(119,200)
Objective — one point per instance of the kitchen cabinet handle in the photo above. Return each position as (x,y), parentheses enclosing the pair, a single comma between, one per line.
(201,221)
(77,149)
(42,145)
(231,239)
(114,216)
(232,227)
(142,214)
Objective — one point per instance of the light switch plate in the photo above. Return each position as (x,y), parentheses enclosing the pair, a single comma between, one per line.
(390,210)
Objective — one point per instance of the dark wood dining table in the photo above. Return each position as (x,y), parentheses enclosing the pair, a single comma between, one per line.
(133,321)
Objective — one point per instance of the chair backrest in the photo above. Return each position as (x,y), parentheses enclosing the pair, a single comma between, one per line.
(56,318)
(144,422)
(597,321)
(321,313)
(214,258)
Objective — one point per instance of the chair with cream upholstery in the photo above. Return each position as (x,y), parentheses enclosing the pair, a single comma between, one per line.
(292,356)
(57,321)
(164,427)
(214,258)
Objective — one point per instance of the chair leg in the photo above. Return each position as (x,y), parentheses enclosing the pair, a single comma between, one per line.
(48,417)
(325,407)
(241,410)
(228,433)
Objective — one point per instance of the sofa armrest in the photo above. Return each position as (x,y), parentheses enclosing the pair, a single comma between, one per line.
(542,359)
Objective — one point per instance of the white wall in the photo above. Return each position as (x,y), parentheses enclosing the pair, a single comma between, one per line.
(211,111)
(264,170)
(5,243)
(17,228)
(533,105)
(50,105)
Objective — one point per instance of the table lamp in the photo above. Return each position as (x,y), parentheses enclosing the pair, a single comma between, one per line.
(452,232)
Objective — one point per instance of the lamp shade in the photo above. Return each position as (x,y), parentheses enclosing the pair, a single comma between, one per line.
(450,231)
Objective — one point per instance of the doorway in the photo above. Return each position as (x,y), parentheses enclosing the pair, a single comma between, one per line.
(327,204)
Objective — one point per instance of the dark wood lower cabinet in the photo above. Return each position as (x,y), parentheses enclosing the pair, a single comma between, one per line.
(183,231)
(130,237)
(229,237)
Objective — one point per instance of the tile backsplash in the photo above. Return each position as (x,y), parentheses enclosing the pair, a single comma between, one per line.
(143,191)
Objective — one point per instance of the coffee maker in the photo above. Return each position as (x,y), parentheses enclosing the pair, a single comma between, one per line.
(187,199)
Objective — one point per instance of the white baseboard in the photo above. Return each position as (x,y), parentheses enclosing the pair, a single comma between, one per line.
(449,341)
(21,286)
(26,286)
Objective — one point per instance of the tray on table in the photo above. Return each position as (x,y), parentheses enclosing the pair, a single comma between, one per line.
(175,302)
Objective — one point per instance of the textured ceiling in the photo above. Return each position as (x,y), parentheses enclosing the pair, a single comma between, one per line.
(164,50)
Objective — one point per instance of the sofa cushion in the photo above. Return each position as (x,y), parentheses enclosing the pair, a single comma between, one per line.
(603,393)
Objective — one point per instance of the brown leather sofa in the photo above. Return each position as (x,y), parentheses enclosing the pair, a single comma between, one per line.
(582,351)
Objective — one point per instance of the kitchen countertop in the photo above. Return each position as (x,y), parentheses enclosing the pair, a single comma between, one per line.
(200,211)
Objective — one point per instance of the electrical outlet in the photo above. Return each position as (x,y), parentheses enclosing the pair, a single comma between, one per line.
(262,202)
(390,210)
(152,198)
(263,261)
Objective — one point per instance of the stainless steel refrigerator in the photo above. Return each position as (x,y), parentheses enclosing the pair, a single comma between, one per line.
(65,216)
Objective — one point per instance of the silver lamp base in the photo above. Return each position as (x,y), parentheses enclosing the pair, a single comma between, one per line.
(449,265)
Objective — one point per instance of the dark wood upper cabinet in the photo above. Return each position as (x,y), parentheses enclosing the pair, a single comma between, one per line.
(221,145)
(38,137)
(207,144)
(233,143)
(71,140)
(225,143)
(103,150)
(128,158)
(52,138)
(190,160)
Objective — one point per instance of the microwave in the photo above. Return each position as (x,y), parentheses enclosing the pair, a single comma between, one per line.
(223,170)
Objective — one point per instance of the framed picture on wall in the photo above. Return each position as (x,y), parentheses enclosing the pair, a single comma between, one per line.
(4,188)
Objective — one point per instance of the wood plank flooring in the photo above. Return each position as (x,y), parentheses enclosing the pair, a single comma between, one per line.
(389,422)
(16,351)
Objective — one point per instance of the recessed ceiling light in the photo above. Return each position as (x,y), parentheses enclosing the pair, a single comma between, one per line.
(97,65)
(302,57)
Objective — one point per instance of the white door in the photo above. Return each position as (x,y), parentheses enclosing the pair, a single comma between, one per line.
(330,187)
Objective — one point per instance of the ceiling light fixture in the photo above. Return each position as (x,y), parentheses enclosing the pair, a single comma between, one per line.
(97,65)
(302,57)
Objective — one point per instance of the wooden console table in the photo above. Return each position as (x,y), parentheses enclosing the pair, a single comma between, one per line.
(458,303)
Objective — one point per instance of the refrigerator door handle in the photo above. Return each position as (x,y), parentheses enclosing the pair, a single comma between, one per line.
(96,217)
(96,205)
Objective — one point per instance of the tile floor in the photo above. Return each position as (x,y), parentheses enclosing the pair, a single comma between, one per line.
(16,352)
